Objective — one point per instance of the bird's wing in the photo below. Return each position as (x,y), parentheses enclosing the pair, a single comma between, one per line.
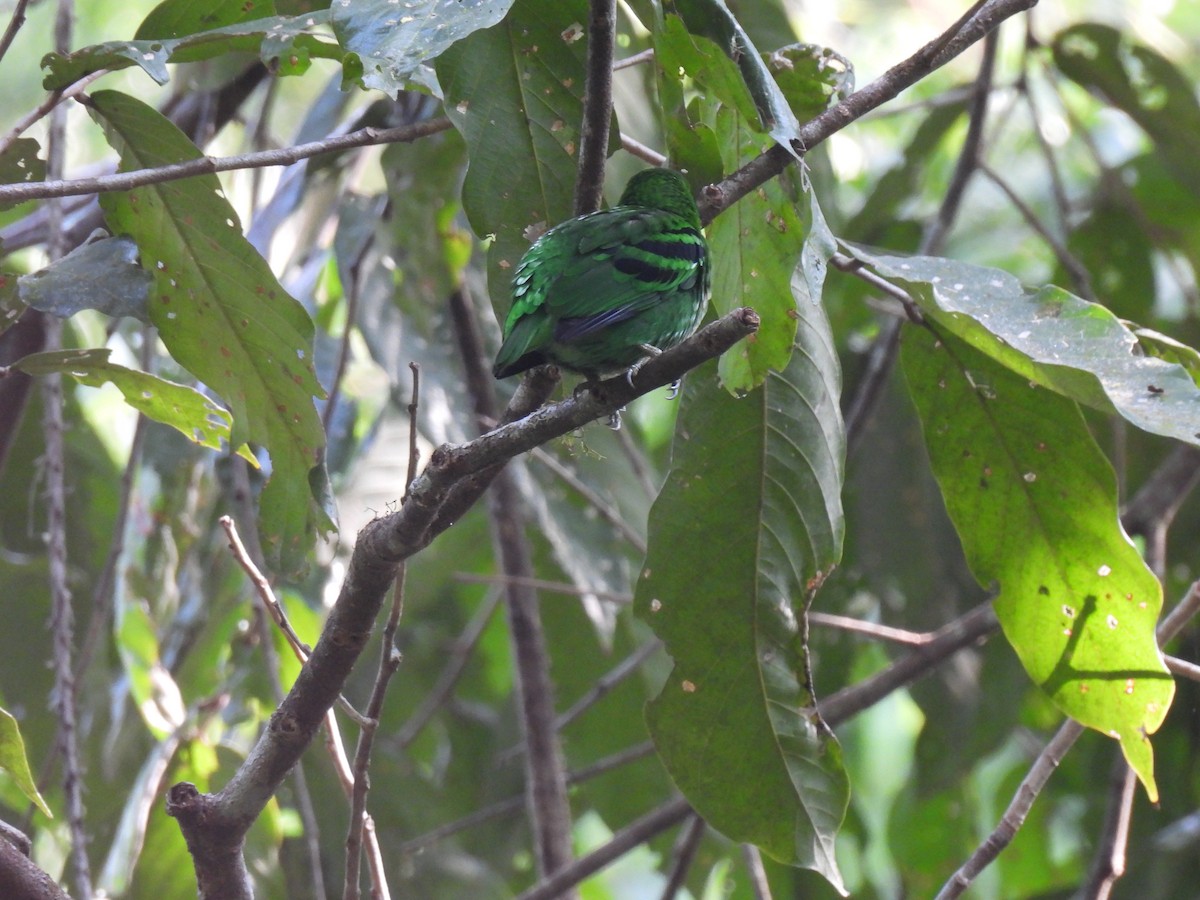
(624,262)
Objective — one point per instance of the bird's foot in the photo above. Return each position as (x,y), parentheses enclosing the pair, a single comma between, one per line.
(673,388)
(651,351)
(614,419)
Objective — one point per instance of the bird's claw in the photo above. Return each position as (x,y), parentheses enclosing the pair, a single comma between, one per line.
(614,419)
(673,388)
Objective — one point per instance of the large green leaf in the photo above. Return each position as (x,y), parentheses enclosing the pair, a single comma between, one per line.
(750,514)
(14,762)
(392,42)
(197,417)
(1034,502)
(178,18)
(1050,336)
(515,93)
(224,317)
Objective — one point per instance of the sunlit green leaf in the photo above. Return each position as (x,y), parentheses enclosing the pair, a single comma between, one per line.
(1035,505)
(224,316)
(1050,336)
(13,761)
(195,416)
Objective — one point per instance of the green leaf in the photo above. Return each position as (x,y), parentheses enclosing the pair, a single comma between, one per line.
(755,245)
(392,42)
(14,762)
(179,18)
(103,275)
(224,317)
(188,411)
(515,92)
(1077,348)
(1034,502)
(1142,83)
(762,476)
(275,39)
(1119,257)
(810,77)
(712,19)
(20,164)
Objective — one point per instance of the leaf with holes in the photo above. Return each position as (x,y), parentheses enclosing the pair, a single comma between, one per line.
(20,164)
(1034,502)
(1048,335)
(185,409)
(224,317)
(392,43)
(730,722)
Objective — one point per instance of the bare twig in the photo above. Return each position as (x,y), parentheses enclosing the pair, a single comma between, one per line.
(640,831)
(208,165)
(882,355)
(684,853)
(758,874)
(606,510)
(1108,864)
(62,621)
(872,629)
(14,25)
(981,19)
(389,662)
(597,106)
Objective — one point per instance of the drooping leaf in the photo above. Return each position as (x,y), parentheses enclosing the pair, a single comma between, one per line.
(14,762)
(712,19)
(275,39)
(755,246)
(224,317)
(762,476)
(103,275)
(515,92)
(20,164)
(1050,336)
(1034,502)
(392,41)
(185,409)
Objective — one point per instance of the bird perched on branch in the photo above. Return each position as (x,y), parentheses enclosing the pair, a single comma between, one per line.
(602,293)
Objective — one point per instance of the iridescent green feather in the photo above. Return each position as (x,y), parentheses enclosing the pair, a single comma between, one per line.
(599,293)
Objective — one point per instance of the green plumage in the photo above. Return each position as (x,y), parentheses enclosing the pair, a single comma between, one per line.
(603,292)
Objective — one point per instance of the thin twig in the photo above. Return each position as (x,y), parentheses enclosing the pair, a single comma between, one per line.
(459,654)
(603,686)
(607,511)
(757,872)
(1108,864)
(51,102)
(980,20)
(209,165)
(684,854)
(640,831)
(1078,271)
(514,804)
(882,355)
(64,700)
(389,662)
(597,106)
(1027,792)
(872,629)
(546,585)
(14,25)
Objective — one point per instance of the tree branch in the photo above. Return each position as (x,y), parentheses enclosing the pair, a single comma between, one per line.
(597,106)
(215,825)
(968,30)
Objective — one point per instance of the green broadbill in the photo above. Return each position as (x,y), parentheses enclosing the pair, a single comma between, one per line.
(601,293)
